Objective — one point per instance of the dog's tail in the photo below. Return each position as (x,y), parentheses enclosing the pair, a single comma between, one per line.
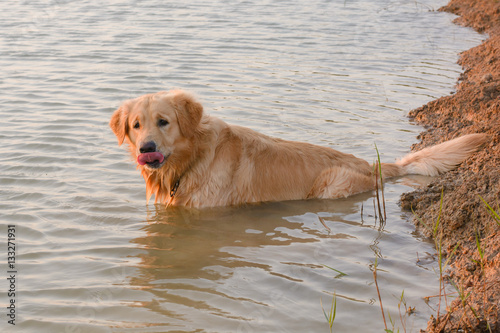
(440,158)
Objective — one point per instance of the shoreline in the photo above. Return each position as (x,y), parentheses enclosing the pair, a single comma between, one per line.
(465,223)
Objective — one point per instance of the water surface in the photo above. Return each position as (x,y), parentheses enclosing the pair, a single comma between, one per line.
(93,256)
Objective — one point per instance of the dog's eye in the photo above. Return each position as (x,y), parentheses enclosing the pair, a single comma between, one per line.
(162,122)
(137,125)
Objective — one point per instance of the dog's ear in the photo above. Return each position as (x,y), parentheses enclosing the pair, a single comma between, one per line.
(119,123)
(188,111)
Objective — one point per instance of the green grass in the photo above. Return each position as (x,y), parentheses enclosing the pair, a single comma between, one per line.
(340,274)
(492,212)
(330,316)
(442,264)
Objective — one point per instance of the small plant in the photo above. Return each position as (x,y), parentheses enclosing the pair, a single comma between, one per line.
(463,297)
(481,253)
(401,317)
(392,323)
(492,212)
(330,317)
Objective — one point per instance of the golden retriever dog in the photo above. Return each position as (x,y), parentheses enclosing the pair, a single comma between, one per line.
(188,158)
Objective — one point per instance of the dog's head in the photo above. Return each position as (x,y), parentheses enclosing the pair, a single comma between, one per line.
(159,128)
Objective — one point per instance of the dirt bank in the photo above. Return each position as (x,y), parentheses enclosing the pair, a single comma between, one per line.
(475,107)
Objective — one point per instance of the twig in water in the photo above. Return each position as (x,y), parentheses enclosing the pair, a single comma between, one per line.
(378,197)
(378,292)
(324,224)
(361,212)
(381,182)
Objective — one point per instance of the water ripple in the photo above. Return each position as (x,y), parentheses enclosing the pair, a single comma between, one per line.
(95,257)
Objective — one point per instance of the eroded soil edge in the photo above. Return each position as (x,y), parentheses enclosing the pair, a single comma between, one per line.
(474,108)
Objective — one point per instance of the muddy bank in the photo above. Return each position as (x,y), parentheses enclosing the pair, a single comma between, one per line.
(474,108)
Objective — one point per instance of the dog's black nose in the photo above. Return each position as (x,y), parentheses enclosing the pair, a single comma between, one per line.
(148,147)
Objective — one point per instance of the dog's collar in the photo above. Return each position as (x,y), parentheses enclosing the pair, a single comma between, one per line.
(174,189)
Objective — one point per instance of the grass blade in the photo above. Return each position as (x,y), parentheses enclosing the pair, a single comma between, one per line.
(381,184)
(493,213)
(336,270)
(330,317)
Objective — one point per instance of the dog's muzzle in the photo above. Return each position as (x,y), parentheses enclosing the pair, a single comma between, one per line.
(149,156)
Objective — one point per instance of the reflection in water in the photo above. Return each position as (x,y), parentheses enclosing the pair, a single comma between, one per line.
(235,268)
(179,238)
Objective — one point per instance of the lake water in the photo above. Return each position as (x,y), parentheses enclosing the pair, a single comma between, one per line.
(92,256)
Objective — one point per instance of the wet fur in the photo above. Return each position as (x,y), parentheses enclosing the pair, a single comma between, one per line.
(218,164)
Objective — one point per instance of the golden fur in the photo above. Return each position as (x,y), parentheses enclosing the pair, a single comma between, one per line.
(208,162)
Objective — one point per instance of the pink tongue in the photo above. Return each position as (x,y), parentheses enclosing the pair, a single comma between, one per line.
(149,158)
